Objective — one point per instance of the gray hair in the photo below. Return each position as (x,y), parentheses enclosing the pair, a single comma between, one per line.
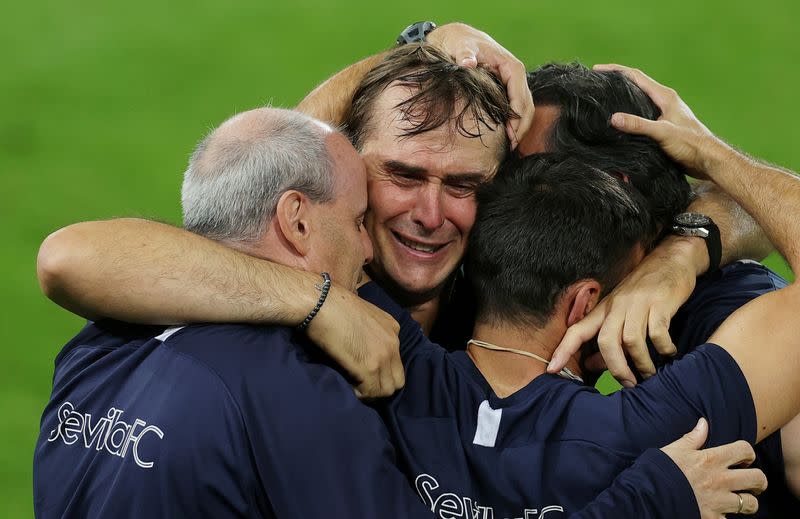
(236,175)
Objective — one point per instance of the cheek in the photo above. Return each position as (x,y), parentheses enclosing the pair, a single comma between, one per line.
(461,212)
(387,201)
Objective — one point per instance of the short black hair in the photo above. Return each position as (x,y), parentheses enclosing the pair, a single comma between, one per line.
(545,222)
(587,99)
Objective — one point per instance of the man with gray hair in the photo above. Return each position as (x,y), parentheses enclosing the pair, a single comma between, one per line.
(230,420)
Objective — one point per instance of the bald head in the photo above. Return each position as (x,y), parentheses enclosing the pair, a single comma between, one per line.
(237,173)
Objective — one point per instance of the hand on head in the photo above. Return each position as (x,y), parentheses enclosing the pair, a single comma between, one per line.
(470,48)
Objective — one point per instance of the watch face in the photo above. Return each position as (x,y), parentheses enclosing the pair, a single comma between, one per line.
(692,220)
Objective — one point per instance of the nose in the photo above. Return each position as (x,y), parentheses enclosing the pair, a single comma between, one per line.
(427,211)
(366,245)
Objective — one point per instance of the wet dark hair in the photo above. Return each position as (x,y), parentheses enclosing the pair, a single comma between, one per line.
(545,222)
(442,91)
(587,99)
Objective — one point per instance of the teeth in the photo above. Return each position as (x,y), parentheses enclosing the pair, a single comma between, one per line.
(418,246)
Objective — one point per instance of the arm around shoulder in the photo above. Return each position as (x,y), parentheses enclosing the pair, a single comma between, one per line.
(142,271)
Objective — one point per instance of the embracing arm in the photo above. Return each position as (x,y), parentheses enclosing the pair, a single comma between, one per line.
(643,304)
(142,271)
(96,269)
(742,237)
(331,100)
(762,335)
(682,479)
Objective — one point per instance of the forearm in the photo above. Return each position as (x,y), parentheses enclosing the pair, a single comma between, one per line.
(772,197)
(741,236)
(790,445)
(331,100)
(767,193)
(143,271)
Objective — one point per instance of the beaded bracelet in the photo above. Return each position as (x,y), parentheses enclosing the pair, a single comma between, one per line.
(323,289)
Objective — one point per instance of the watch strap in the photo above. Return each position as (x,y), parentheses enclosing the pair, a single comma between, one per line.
(416,32)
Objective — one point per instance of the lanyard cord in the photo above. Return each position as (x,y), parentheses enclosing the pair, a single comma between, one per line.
(565,373)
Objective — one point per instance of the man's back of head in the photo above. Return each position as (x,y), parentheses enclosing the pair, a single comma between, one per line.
(546,222)
(579,102)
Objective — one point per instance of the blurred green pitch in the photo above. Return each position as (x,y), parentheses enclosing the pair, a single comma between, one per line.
(101,103)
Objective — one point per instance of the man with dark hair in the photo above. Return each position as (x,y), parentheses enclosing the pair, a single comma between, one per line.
(590,221)
(574,105)
(431,132)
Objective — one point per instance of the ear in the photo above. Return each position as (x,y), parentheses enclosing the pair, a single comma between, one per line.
(293,216)
(585,294)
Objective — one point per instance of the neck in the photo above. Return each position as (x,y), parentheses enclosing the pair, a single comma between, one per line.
(423,306)
(508,372)
(425,314)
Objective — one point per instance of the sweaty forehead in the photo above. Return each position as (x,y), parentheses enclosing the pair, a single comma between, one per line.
(387,136)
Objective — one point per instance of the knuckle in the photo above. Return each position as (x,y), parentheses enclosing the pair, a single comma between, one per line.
(607,338)
(671,92)
(632,338)
(748,454)
(749,504)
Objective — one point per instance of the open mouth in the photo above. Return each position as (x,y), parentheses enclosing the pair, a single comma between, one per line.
(418,246)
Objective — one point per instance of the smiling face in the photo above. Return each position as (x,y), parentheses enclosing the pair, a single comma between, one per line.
(421,197)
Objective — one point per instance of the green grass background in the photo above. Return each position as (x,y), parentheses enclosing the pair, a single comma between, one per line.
(101,103)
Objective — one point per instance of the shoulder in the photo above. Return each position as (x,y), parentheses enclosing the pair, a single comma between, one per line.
(248,356)
(716,296)
(746,279)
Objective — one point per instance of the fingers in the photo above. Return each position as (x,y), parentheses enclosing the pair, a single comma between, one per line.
(736,454)
(385,380)
(748,480)
(658,330)
(577,334)
(749,504)
(636,125)
(512,74)
(634,333)
(397,372)
(466,56)
(656,91)
(609,340)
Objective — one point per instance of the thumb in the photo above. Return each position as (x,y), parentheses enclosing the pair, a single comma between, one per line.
(696,438)
(466,57)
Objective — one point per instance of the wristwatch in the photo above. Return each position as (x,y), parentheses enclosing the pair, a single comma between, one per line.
(700,225)
(415,32)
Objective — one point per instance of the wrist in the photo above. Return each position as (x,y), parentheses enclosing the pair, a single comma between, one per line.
(718,157)
(690,251)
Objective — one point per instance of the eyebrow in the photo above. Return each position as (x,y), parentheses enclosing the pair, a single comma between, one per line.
(469,176)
